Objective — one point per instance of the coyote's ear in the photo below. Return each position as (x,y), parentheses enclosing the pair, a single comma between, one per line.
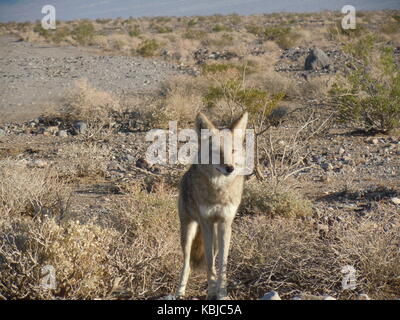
(240,123)
(202,122)
(238,127)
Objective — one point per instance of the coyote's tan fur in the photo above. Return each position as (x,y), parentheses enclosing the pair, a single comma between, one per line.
(210,195)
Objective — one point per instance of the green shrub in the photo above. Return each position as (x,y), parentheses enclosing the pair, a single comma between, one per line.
(283,36)
(60,34)
(362,48)
(217,67)
(259,199)
(220,28)
(233,91)
(162,29)
(83,32)
(148,48)
(41,31)
(134,31)
(371,99)
(191,23)
(194,34)
(336,31)
(254,29)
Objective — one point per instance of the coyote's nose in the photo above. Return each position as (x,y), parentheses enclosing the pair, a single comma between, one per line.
(229,169)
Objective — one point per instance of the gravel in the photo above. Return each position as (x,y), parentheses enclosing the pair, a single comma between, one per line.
(33,75)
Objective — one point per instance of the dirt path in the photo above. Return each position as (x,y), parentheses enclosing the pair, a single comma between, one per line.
(33,76)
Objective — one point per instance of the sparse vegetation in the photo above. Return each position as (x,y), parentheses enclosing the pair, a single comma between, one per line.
(371,98)
(134,31)
(83,33)
(89,204)
(148,48)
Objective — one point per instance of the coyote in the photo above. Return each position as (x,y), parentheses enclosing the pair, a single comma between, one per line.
(210,195)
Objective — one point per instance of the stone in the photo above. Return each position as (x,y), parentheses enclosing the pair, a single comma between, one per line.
(327,166)
(317,59)
(130,158)
(395,200)
(2,132)
(62,133)
(50,131)
(80,127)
(328,297)
(272,295)
(37,164)
(142,164)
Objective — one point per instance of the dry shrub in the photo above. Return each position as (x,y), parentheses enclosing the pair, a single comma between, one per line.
(315,88)
(293,257)
(262,198)
(29,191)
(78,254)
(89,104)
(275,83)
(95,107)
(372,247)
(84,159)
(132,252)
(182,100)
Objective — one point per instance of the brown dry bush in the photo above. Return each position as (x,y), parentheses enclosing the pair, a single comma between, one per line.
(181,100)
(292,257)
(83,159)
(91,105)
(29,191)
(132,252)
(262,198)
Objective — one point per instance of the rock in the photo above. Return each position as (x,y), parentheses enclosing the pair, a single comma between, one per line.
(296,298)
(341,151)
(62,133)
(363,296)
(2,132)
(80,127)
(272,295)
(168,297)
(278,114)
(317,59)
(374,141)
(347,160)
(37,164)
(326,166)
(115,166)
(304,296)
(50,131)
(142,164)
(395,200)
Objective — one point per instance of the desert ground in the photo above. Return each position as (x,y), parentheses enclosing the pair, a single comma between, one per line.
(77,194)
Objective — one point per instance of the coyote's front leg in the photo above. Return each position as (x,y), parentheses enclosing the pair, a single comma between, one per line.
(208,234)
(224,239)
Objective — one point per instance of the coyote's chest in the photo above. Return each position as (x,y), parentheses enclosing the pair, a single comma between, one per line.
(218,212)
(220,200)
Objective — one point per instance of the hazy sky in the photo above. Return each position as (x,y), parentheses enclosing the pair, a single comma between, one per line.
(30,10)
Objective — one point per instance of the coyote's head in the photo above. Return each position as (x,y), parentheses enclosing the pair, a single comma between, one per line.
(222,149)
